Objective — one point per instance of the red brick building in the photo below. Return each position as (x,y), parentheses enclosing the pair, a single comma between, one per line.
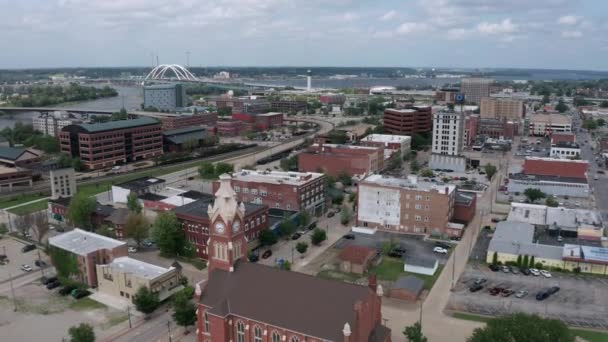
(232,128)
(330,99)
(104,145)
(557,138)
(335,159)
(471,123)
(89,249)
(183,121)
(465,204)
(194,219)
(234,301)
(556,167)
(282,190)
(416,119)
(356,259)
(263,121)
(59,211)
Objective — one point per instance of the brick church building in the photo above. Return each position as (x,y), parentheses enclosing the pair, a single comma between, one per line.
(250,302)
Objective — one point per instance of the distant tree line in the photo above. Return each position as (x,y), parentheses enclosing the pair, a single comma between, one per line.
(48,95)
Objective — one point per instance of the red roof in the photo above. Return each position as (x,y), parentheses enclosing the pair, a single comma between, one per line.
(356,254)
(556,167)
(562,137)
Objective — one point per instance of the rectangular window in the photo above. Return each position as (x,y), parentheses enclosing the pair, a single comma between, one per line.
(245,190)
(237,189)
(418,197)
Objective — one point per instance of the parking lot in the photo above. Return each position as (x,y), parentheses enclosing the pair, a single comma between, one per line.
(582,300)
(12,249)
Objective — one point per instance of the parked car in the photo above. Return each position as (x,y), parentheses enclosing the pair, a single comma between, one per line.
(349,236)
(28,248)
(267,254)
(525,271)
(78,293)
(514,270)
(545,274)
(521,293)
(495,220)
(475,287)
(440,250)
(505,269)
(296,236)
(553,290)
(66,290)
(53,285)
(147,243)
(26,268)
(46,280)
(40,263)
(542,295)
(495,291)
(534,272)
(480,281)
(312,226)
(507,293)
(494,268)
(132,249)
(331,214)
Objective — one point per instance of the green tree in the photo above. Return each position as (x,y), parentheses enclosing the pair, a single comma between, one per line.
(490,171)
(133,203)
(338,137)
(413,333)
(81,209)
(601,122)
(388,246)
(345,178)
(345,216)
(518,327)
(495,258)
(551,202)
(414,166)
(137,228)
(604,104)
(561,106)
(106,230)
(169,235)
(82,333)
(304,218)
(286,227)
(207,170)
(184,310)
(526,261)
(145,300)
(289,164)
(65,262)
(427,173)
(590,124)
(301,247)
(267,238)
(286,265)
(190,144)
(3,228)
(221,168)
(225,111)
(318,236)
(532,263)
(518,261)
(77,164)
(533,194)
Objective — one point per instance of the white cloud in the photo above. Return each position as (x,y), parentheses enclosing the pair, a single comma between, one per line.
(505,26)
(388,15)
(569,20)
(411,27)
(458,33)
(572,34)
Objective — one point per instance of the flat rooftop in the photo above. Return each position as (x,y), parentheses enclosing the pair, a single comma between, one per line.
(527,213)
(348,147)
(81,242)
(553,119)
(140,183)
(386,138)
(269,114)
(408,183)
(543,178)
(276,177)
(138,268)
(120,124)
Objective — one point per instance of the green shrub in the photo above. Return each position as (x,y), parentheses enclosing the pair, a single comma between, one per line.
(538,265)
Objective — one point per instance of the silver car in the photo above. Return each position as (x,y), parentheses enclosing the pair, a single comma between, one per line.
(521,293)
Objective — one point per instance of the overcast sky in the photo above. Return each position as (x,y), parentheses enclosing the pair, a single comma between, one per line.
(563,34)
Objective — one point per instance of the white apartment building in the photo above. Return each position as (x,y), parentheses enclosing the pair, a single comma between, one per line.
(546,124)
(565,150)
(448,135)
(51,124)
(63,183)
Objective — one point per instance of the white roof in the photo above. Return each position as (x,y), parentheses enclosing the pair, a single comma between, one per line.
(348,147)
(410,183)
(565,217)
(81,242)
(177,200)
(139,268)
(528,213)
(385,138)
(276,177)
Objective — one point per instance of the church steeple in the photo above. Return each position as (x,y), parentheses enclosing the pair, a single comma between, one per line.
(227,243)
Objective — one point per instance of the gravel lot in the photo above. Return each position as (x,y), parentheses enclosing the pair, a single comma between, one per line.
(581,302)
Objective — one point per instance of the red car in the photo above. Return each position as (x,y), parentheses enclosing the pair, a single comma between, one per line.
(495,291)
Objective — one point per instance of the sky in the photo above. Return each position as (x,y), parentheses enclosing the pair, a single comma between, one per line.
(550,34)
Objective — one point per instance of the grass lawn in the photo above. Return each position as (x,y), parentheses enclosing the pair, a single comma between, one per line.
(84,304)
(391,269)
(29,208)
(13,201)
(592,336)
(337,275)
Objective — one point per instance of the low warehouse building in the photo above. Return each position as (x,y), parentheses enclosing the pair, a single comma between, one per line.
(407,288)
(356,259)
(426,266)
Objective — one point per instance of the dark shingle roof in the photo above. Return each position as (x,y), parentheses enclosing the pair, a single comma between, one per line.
(11,153)
(465,198)
(181,135)
(148,196)
(327,304)
(410,283)
(140,183)
(119,216)
(121,124)
(199,208)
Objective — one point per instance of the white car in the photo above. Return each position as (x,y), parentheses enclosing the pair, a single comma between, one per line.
(534,272)
(132,250)
(440,250)
(545,274)
(26,268)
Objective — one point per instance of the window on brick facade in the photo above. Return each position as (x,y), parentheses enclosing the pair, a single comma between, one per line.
(237,189)
(264,217)
(206,317)
(276,337)
(240,331)
(294,339)
(257,334)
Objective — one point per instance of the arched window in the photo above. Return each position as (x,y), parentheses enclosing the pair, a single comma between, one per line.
(206,322)
(257,334)
(240,332)
(294,339)
(276,337)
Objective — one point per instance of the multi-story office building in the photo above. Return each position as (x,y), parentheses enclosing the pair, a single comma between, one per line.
(474,89)
(547,124)
(63,183)
(337,159)
(408,121)
(288,105)
(498,128)
(282,190)
(106,144)
(565,150)
(448,137)
(167,97)
(400,144)
(406,205)
(496,108)
(184,120)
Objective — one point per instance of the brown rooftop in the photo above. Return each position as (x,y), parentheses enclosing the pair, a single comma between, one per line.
(301,303)
(356,254)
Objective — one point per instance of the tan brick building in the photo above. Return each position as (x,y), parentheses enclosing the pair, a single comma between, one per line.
(406,205)
(510,109)
(335,159)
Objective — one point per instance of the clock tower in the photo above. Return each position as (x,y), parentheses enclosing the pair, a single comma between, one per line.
(227,242)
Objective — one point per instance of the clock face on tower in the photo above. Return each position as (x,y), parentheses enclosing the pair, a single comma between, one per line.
(236,226)
(220,228)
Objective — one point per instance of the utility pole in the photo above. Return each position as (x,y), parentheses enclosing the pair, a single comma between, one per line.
(40,262)
(129,315)
(10,277)
(169,330)
(453,267)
